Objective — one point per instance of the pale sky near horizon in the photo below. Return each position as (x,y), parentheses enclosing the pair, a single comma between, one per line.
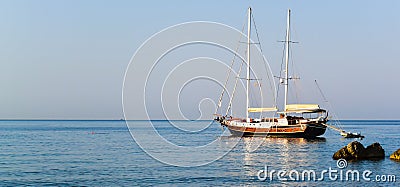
(66,59)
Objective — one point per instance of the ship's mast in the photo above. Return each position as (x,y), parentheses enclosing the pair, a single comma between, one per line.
(248,65)
(287,41)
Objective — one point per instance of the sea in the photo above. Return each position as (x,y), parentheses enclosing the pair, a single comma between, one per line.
(111,153)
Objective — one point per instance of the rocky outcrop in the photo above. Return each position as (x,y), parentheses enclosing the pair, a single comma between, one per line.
(356,151)
(395,155)
(349,152)
(374,151)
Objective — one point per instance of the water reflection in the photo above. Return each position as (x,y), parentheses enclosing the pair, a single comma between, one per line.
(278,153)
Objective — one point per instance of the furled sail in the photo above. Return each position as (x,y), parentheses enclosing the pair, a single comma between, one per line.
(262,109)
(302,107)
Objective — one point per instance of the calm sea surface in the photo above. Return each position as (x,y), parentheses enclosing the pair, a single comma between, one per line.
(103,153)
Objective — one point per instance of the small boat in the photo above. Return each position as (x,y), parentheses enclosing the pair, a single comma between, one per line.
(295,120)
(351,135)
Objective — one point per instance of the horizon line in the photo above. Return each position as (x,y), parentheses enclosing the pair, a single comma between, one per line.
(121,119)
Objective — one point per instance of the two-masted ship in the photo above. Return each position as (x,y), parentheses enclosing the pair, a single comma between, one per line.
(294,120)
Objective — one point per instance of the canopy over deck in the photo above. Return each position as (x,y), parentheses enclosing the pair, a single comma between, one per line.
(273,109)
(303,108)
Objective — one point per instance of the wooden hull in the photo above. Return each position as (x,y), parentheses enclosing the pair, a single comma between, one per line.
(290,131)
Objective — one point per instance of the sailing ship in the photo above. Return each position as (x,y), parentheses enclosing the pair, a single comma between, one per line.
(295,120)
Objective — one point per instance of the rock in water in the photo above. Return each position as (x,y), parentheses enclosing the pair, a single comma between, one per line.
(356,151)
(349,152)
(395,155)
(355,148)
(374,151)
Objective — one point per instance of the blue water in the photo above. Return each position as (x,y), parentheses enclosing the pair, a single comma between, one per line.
(103,153)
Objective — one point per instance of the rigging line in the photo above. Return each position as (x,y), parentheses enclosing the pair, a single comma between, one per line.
(255,26)
(330,106)
(265,63)
(270,83)
(320,91)
(281,71)
(269,79)
(229,72)
(227,79)
(234,90)
(253,99)
(296,83)
(250,42)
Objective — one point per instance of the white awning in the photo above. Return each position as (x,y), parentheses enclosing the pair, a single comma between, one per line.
(295,107)
(262,109)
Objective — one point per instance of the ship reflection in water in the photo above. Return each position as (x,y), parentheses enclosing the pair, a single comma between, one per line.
(278,153)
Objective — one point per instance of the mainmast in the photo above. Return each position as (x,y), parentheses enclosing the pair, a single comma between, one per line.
(287,41)
(248,65)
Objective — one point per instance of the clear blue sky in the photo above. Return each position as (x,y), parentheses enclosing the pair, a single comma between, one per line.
(66,59)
